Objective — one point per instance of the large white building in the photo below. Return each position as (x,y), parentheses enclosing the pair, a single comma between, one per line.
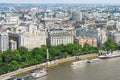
(60,37)
(32,40)
(4,41)
(28,36)
(13,20)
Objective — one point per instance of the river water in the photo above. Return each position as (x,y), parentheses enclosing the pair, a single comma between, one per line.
(107,69)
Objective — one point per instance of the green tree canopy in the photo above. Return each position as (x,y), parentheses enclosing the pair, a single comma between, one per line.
(110,45)
(23,50)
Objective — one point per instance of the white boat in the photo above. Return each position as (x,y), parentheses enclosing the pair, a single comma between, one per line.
(38,73)
(110,54)
(77,63)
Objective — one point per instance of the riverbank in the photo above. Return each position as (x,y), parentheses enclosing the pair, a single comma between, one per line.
(49,64)
(70,59)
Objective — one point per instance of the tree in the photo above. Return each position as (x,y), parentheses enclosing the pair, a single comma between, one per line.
(61,47)
(17,55)
(86,48)
(23,50)
(7,56)
(63,55)
(110,45)
(13,59)
(13,65)
(35,52)
(54,51)
(1,58)
(73,49)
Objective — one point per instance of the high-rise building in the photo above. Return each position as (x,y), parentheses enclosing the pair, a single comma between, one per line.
(4,41)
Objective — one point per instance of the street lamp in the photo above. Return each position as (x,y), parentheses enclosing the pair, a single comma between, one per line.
(47,59)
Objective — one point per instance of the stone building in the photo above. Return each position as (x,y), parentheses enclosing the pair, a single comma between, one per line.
(4,41)
(60,37)
(83,40)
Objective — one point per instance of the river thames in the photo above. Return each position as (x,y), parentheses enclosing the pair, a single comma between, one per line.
(107,69)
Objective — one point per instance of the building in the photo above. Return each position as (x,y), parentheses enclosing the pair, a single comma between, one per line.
(4,41)
(12,20)
(32,40)
(28,36)
(114,35)
(118,25)
(13,45)
(13,40)
(77,16)
(99,34)
(59,37)
(83,40)
(117,38)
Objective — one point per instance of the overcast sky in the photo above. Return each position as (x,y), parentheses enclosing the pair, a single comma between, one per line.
(61,1)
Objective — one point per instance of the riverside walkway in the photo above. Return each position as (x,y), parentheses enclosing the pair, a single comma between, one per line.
(49,64)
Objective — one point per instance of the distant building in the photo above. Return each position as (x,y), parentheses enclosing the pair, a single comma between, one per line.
(77,16)
(117,38)
(114,35)
(99,34)
(59,37)
(118,25)
(13,20)
(4,41)
(83,40)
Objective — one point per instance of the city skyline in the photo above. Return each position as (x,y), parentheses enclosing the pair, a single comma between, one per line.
(62,1)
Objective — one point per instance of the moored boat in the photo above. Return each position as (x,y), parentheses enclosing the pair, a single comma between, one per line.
(38,73)
(110,54)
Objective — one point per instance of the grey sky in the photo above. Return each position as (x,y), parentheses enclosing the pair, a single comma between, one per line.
(61,1)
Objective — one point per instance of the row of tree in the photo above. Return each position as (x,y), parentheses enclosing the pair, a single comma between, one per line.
(14,59)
